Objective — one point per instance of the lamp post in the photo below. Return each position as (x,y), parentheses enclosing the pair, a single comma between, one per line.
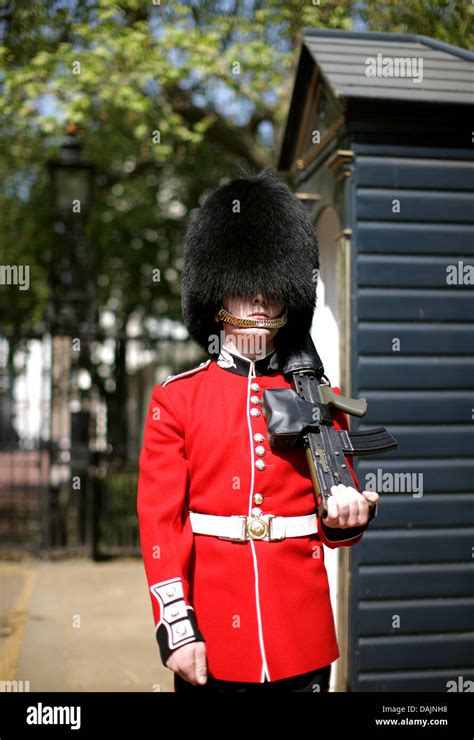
(70,265)
(71,321)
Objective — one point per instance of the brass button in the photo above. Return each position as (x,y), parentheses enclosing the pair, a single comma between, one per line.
(255,399)
(260,465)
(174,613)
(254,412)
(256,511)
(259,437)
(170,591)
(260,450)
(255,386)
(257,498)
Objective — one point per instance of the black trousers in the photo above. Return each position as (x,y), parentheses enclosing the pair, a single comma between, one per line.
(312,682)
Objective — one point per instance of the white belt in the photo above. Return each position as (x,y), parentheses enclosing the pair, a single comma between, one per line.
(262,527)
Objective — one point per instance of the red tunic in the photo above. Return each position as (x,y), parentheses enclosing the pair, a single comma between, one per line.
(262,608)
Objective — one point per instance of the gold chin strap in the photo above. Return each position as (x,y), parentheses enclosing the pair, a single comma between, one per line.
(259,322)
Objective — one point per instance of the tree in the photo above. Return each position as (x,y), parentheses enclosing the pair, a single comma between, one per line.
(447,20)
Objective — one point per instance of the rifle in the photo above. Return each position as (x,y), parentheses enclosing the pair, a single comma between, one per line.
(303,416)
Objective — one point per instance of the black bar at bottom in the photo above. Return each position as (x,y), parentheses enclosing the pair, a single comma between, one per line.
(137,715)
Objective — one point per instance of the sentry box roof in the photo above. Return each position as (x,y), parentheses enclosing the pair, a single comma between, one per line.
(375,70)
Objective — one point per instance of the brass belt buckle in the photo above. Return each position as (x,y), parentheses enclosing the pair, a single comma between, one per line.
(259,527)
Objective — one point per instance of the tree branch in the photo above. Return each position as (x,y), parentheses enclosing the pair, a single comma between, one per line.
(236,140)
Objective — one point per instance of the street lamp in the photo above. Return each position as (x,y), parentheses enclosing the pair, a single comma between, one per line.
(71,265)
(71,177)
(71,315)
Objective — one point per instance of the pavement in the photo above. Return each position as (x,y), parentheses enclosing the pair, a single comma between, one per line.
(77,625)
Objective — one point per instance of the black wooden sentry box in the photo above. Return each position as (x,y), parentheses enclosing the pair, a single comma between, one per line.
(392,159)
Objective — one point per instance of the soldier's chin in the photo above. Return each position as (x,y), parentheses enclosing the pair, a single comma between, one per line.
(245,330)
(251,331)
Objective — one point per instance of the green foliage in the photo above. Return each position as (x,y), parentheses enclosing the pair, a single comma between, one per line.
(450,21)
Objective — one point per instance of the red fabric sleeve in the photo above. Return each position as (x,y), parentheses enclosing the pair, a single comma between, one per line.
(166,536)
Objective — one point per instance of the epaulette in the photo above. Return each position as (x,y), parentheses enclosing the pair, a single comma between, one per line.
(169,378)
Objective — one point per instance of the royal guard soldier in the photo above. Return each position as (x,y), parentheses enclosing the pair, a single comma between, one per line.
(229,528)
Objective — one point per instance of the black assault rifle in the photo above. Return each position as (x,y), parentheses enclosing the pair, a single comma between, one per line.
(303,416)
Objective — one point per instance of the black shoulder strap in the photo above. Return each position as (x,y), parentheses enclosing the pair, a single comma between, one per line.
(304,358)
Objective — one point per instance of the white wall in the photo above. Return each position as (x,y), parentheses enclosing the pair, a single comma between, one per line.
(325,334)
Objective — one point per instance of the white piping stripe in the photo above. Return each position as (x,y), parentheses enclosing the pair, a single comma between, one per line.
(259,615)
(186,372)
(251,542)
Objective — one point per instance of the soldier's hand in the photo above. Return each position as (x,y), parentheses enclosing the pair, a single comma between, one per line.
(189,662)
(348,508)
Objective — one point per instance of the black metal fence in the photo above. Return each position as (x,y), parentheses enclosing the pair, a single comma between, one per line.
(23,488)
(64,490)
(117,523)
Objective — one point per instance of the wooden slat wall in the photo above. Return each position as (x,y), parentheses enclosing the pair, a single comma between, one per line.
(416,561)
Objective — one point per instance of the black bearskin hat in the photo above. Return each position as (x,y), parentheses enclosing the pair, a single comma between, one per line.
(252,235)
